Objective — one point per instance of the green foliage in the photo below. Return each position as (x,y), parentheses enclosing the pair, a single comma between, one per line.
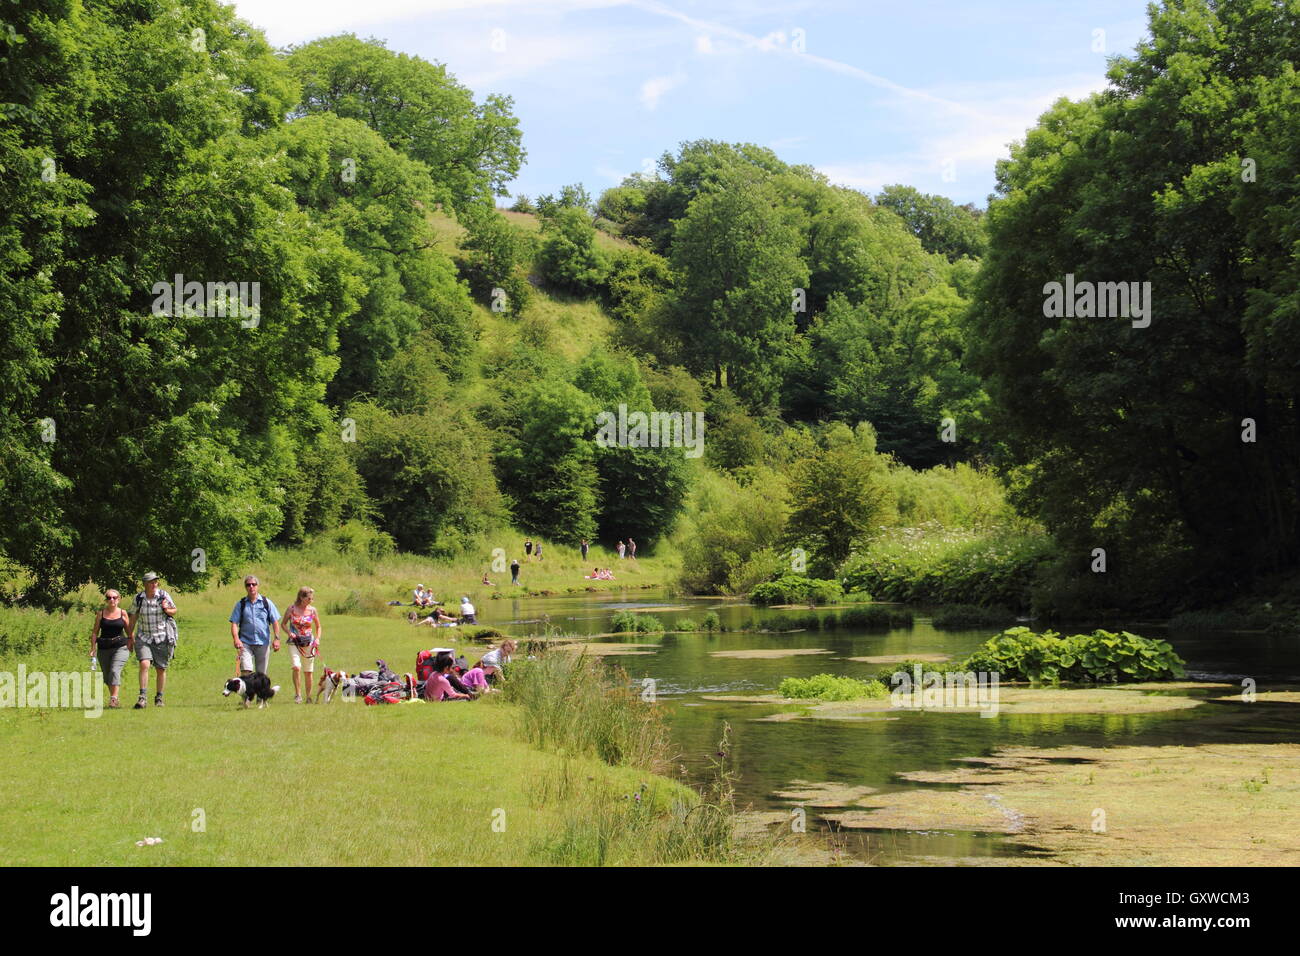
(830,687)
(796,589)
(546,460)
(684,624)
(736,262)
(932,565)
(495,255)
(942,226)
(1131,438)
(378,205)
(874,618)
(568,258)
(1102,657)
(709,622)
(429,477)
(472,149)
(727,539)
(628,622)
(840,496)
(886,674)
(523,204)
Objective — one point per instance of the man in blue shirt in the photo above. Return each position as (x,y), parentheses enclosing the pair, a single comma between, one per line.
(252,623)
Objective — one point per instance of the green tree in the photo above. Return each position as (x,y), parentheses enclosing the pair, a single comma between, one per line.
(354,183)
(838,497)
(942,226)
(568,258)
(736,264)
(472,149)
(1131,438)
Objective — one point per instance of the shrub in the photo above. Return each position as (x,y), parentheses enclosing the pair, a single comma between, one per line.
(958,616)
(934,565)
(684,624)
(710,622)
(796,589)
(1102,656)
(886,674)
(626,622)
(875,618)
(830,687)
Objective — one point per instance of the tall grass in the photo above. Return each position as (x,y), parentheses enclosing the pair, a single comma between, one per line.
(574,704)
(579,706)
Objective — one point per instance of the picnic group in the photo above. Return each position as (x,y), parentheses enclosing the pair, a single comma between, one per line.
(148,629)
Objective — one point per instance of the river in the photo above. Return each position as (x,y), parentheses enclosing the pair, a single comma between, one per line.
(771,756)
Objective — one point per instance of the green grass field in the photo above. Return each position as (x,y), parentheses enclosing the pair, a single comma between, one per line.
(339,784)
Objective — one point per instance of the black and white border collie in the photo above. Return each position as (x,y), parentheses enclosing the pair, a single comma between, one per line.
(250,686)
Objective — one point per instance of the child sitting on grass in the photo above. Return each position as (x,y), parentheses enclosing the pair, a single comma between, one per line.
(438,686)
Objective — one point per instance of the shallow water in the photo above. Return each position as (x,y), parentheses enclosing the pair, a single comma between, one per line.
(768,756)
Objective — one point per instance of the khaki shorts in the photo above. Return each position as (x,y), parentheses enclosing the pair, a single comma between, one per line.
(160,655)
(303,658)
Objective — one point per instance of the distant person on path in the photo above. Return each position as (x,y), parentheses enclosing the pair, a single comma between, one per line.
(154,632)
(537,551)
(584,550)
(621,548)
(302,625)
(110,641)
(528,548)
(467,615)
(252,623)
(514,571)
(631,547)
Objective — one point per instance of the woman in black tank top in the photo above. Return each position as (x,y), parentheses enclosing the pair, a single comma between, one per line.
(110,641)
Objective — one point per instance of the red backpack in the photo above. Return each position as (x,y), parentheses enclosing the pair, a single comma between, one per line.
(424,664)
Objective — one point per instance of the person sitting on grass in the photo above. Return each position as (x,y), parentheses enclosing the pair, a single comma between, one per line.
(475,680)
(486,582)
(438,686)
(494,661)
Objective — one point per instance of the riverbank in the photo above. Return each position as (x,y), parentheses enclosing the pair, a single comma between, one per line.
(336,784)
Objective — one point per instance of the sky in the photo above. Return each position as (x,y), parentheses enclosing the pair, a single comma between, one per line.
(928,93)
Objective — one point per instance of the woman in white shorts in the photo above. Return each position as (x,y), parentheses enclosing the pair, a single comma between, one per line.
(302,624)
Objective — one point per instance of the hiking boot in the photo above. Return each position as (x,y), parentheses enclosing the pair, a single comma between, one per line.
(157,700)
(297,698)
(140,703)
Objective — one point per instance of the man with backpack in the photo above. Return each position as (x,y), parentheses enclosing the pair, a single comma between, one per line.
(154,630)
(252,623)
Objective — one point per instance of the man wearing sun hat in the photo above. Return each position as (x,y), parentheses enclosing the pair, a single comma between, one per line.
(154,629)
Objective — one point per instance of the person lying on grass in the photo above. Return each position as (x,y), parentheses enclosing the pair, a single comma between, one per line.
(438,686)
(439,618)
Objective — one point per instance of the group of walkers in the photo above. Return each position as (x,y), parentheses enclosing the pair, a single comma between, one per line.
(533,552)
(148,629)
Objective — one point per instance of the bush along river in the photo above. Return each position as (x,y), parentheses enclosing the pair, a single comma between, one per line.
(893,786)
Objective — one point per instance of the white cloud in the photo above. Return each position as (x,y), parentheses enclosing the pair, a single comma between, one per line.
(653,89)
(703,44)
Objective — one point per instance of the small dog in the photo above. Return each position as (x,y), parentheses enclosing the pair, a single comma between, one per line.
(250,686)
(330,682)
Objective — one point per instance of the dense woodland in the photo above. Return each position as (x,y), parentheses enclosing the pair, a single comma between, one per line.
(881,387)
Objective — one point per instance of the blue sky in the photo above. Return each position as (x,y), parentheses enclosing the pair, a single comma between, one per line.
(925,93)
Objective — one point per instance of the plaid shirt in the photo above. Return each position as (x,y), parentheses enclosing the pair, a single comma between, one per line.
(152,625)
